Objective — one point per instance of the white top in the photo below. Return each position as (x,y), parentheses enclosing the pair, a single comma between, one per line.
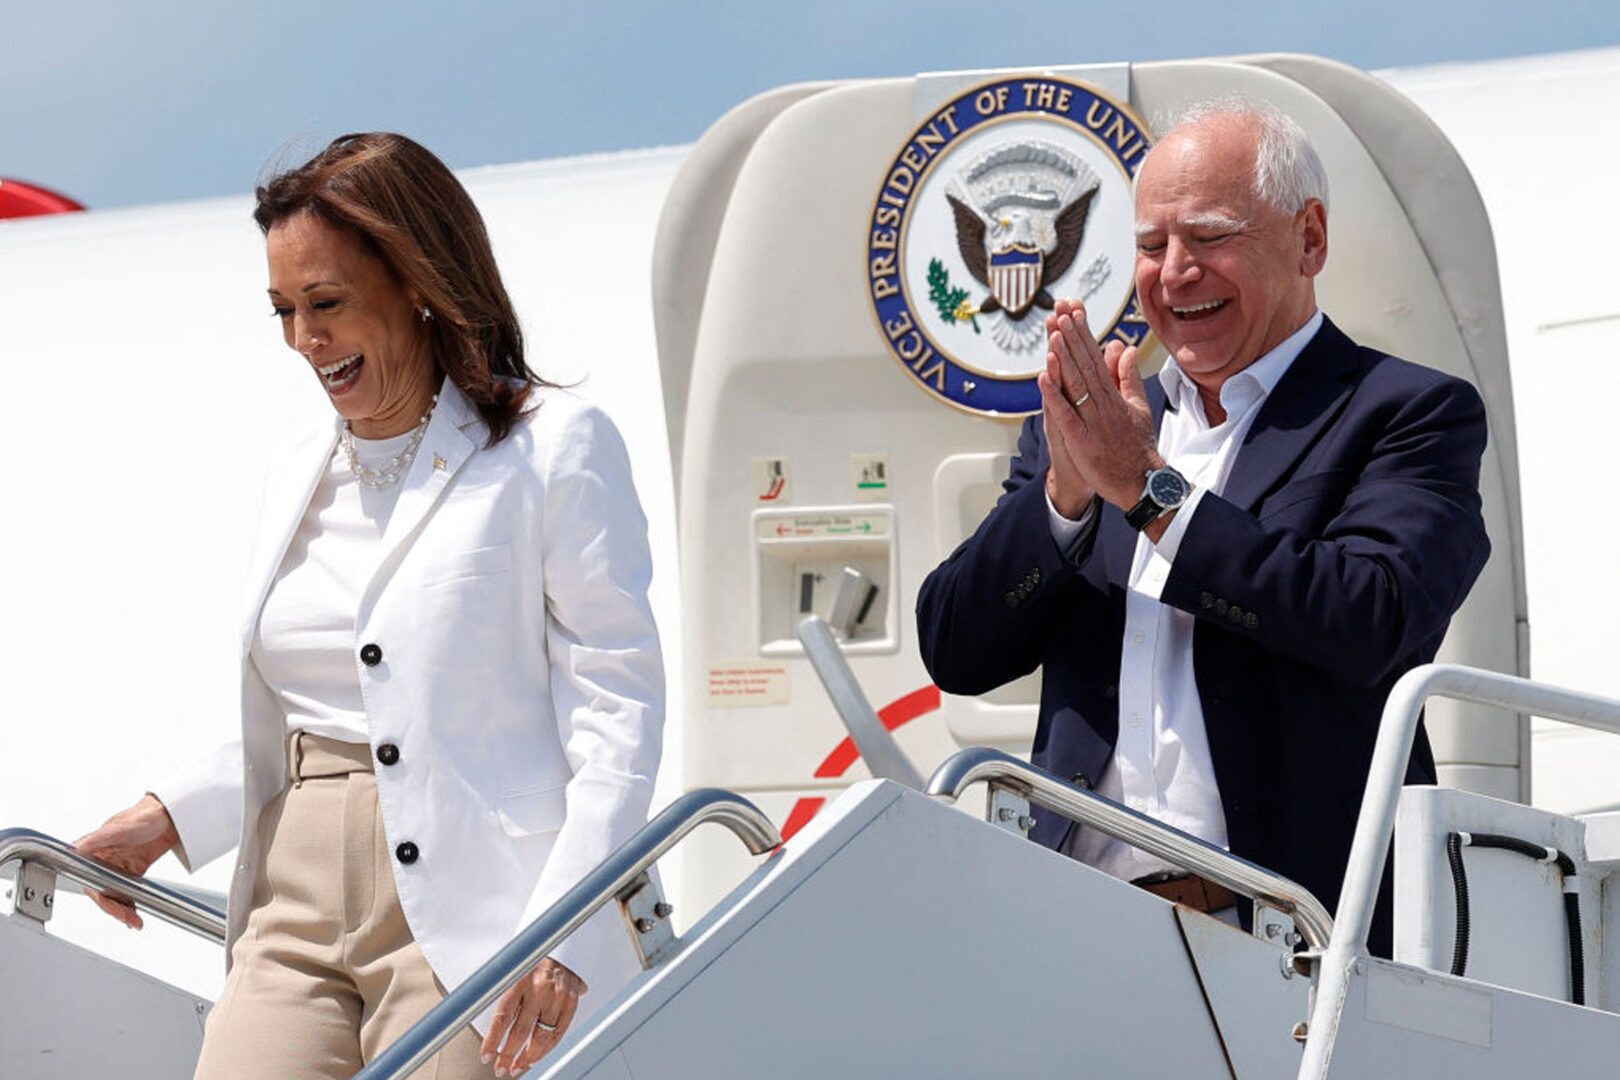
(305,645)
(1161,764)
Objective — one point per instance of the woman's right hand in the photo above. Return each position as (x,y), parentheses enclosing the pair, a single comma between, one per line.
(130,841)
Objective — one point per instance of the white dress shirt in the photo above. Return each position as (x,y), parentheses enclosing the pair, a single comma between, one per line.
(1161,764)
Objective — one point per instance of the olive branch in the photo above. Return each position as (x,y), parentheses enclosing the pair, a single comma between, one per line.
(952,303)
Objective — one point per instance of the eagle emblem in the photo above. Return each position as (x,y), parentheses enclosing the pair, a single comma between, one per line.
(1006,196)
(1020,213)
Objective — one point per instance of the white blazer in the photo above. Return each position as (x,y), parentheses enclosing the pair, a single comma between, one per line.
(520,679)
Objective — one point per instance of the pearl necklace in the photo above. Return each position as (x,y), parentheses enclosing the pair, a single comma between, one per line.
(396,466)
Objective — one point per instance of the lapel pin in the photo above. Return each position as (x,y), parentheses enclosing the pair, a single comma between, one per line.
(438,462)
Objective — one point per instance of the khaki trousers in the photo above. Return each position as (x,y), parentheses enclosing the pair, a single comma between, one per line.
(326,974)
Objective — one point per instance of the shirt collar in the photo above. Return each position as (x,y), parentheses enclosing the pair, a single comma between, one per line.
(1256,380)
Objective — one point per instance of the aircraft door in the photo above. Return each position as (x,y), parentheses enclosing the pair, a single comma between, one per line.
(858,376)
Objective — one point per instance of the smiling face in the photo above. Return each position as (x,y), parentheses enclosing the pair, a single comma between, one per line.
(343,310)
(1223,276)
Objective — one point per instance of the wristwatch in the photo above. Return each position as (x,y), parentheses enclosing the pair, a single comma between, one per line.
(1165,490)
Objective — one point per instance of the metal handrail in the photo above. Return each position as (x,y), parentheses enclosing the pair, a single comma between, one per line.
(168,904)
(1181,849)
(877,746)
(1376,823)
(613,877)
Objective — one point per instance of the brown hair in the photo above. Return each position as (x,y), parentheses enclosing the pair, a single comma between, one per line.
(410,211)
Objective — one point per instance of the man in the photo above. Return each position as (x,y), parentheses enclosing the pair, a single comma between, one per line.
(1225,570)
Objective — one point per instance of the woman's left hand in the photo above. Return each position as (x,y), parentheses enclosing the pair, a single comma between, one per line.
(532,1017)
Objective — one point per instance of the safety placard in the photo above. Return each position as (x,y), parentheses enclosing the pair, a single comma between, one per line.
(869,477)
(771,480)
(853,526)
(744,683)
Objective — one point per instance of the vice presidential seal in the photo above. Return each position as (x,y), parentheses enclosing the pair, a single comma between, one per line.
(1015,193)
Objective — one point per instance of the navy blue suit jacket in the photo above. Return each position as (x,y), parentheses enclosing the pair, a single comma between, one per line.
(1348,534)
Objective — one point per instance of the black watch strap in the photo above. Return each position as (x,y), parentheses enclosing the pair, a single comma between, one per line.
(1139,516)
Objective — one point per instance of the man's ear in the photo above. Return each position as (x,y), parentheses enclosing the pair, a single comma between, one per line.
(1314,238)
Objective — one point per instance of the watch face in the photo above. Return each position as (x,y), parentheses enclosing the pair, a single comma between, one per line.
(1167,488)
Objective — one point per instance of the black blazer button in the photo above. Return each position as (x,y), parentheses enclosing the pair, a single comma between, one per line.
(1012,599)
(1206,600)
(406,853)
(388,753)
(370,654)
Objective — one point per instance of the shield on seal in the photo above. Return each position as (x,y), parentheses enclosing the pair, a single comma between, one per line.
(1015,277)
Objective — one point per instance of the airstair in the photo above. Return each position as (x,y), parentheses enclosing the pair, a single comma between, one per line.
(897,936)
(66,1011)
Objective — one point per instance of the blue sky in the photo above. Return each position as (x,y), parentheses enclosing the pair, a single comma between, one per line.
(118,103)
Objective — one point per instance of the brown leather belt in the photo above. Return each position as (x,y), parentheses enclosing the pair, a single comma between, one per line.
(1195,892)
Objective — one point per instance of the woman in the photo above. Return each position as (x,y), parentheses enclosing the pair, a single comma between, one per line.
(451,690)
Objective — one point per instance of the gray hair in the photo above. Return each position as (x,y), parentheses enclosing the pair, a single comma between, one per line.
(1288,172)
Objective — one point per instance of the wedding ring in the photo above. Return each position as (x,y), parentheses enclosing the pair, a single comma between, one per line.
(545,1027)
(1082,399)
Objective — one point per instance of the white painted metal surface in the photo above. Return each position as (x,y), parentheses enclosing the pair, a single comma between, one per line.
(65,1011)
(1401,1022)
(902,938)
(1253,1009)
(1517,933)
